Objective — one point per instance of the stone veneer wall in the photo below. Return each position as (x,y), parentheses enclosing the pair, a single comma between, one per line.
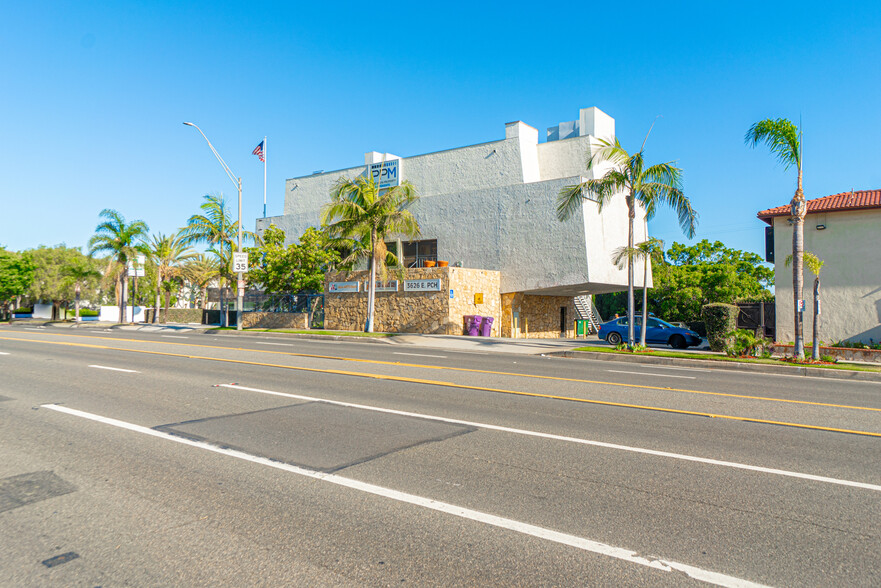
(539,316)
(416,312)
(275,320)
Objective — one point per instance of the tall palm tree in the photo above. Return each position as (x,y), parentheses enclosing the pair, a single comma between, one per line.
(215,228)
(167,252)
(359,211)
(80,273)
(814,265)
(121,241)
(651,250)
(648,187)
(200,271)
(784,139)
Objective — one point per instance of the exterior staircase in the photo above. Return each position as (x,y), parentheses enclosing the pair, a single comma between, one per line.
(587,311)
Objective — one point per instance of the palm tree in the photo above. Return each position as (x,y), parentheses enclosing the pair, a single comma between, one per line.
(647,187)
(120,239)
(814,265)
(200,271)
(80,274)
(650,250)
(215,228)
(167,252)
(360,212)
(784,140)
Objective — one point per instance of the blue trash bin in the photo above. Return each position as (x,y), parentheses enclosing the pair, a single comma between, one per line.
(472,326)
(487,326)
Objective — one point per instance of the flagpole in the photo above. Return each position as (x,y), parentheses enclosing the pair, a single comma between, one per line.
(265,149)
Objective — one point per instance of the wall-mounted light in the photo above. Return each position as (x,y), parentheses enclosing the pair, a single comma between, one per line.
(821,227)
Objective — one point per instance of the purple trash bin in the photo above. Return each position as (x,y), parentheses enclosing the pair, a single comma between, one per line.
(487,326)
(472,325)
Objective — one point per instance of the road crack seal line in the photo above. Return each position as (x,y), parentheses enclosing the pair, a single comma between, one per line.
(469,387)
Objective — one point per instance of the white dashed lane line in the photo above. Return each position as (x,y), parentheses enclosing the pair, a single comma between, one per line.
(104,367)
(652,375)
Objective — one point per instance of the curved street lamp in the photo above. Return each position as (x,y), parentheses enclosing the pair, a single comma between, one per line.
(240,290)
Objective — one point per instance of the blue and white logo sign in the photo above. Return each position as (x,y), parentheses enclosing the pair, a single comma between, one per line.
(386,173)
(335,287)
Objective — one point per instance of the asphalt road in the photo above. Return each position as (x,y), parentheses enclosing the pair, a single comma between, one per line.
(165,459)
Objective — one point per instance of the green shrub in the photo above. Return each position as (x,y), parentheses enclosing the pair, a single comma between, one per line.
(88,312)
(742,343)
(23,310)
(720,319)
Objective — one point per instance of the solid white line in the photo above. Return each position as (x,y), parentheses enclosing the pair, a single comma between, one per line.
(33,328)
(465,513)
(3,353)
(104,367)
(647,374)
(418,354)
(686,369)
(174,337)
(728,464)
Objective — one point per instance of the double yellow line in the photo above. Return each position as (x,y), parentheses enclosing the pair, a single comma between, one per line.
(465,386)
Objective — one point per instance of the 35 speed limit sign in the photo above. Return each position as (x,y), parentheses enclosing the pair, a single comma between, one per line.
(239,262)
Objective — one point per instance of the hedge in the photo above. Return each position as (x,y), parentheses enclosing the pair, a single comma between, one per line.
(720,319)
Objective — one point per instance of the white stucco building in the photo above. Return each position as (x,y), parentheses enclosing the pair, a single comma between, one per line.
(844,231)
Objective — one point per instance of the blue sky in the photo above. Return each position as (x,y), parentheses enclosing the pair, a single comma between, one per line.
(94,95)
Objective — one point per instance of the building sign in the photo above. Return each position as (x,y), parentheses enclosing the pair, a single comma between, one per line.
(386,173)
(422,285)
(390,286)
(337,287)
(136,267)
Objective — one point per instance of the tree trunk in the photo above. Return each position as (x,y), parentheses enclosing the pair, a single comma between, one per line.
(167,302)
(798,209)
(158,289)
(76,303)
(631,214)
(645,304)
(224,322)
(205,297)
(371,286)
(815,349)
(134,295)
(123,283)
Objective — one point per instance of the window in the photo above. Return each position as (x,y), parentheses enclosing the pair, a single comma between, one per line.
(415,253)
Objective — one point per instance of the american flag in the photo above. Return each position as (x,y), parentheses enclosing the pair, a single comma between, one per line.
(258,151)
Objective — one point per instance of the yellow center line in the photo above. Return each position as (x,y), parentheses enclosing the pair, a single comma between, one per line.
(454,385)
(476,371)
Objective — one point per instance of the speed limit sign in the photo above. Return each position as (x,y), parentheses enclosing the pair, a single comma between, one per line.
(240,262)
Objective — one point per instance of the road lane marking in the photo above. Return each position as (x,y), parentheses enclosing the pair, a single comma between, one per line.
(527,432)
(575,541)
(469,370)
(685,369)
(472,387)
(647,374)
(174,337)
(3,353)
(418,354)
(104,367)
(279,344)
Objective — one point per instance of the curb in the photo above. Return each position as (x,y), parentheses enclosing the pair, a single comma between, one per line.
(347,338)
(722,365)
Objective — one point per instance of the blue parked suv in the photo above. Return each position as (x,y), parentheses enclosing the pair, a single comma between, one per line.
(657,331)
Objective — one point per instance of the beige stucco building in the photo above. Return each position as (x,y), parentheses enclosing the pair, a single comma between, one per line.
(844,231)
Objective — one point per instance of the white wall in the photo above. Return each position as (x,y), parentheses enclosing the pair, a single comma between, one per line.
(111,314)
(850,281)
(42,311)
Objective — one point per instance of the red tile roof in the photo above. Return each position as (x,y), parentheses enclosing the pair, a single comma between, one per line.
(836,202)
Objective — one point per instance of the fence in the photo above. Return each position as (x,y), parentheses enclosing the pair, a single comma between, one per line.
(759,317)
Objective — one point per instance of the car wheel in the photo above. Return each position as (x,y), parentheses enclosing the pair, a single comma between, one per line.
(614,339)
(678,342)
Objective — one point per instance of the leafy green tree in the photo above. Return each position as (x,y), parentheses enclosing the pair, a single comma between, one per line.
(121,240)
(360,212)
(647,187)
(784,140)
(689,277)
(215,228)
(16,275)
(297,267)
(80,273)
(51,282)
(815,265)
(168,253)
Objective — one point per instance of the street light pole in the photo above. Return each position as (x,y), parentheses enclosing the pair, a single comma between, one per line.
(240,289)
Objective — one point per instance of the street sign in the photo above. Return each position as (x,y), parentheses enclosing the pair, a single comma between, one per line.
(240,262)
